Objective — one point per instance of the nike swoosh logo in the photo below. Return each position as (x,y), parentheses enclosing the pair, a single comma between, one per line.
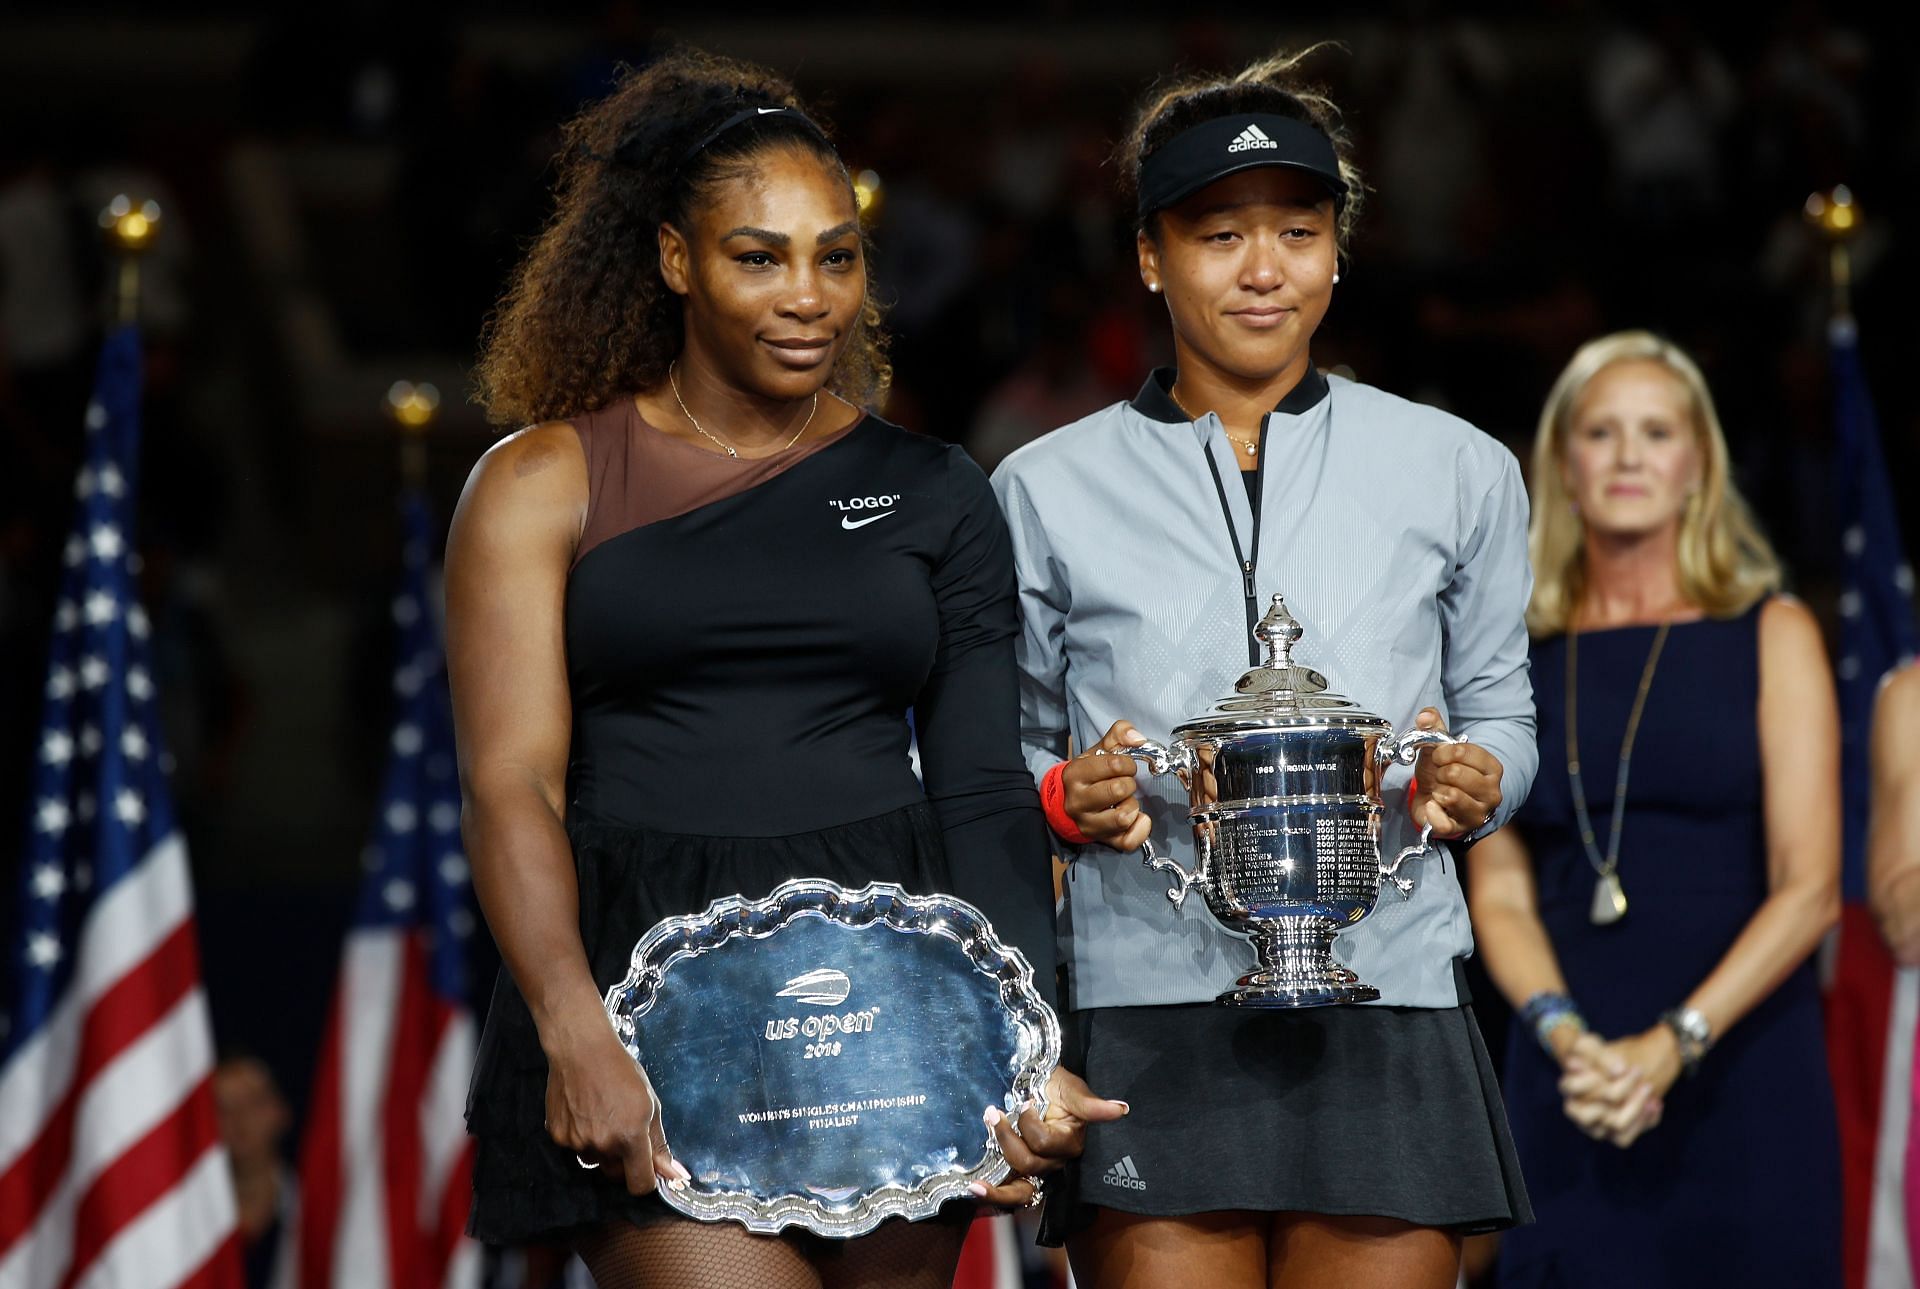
(848,521)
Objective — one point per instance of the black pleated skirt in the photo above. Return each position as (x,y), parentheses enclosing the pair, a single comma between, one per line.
(525,1187)
(1346,1111)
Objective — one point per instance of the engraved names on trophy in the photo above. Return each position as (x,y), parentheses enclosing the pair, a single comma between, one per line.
(1301,854)
(1262,858)
(1348,857)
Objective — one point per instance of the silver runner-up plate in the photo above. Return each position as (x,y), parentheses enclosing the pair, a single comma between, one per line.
(823,1056)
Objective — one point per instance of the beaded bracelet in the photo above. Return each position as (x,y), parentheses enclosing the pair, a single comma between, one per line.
(1549,1010)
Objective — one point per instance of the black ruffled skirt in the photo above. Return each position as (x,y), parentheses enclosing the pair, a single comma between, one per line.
(526,1188)
(1345,1111)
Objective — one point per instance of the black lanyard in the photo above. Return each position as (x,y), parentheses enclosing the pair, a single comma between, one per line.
(1245,557)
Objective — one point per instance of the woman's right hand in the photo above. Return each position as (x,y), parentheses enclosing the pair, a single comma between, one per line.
(1099,793)
(1607,1097)
(601,1107)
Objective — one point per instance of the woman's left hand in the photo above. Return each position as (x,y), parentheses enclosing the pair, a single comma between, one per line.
(1655,1053)
(1645,1065)
(1042,1143)
(1458,783)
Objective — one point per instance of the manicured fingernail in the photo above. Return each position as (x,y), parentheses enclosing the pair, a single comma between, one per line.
(680,1170)
(676,1184)
(992,1116)
(1124,1107)
(976,1190)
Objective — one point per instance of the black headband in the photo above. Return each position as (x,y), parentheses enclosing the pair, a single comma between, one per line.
(751,114)
(1194,158)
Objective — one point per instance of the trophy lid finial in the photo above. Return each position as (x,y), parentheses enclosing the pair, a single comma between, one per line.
(1281,691)
(1280,678)
(1279,631)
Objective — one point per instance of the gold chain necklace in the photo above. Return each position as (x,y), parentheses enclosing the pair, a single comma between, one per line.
(725,446)
(1250,448)
(1609,899)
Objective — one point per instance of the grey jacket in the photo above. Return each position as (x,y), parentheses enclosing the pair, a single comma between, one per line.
(1398,535)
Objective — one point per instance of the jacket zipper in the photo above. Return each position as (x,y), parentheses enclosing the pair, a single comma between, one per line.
(1244,557)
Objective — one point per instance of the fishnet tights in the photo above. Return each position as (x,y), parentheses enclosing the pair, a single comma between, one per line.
(698,1255)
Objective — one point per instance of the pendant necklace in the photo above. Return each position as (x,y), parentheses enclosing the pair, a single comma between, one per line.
(1250,446)
(674,382)
(1609,899)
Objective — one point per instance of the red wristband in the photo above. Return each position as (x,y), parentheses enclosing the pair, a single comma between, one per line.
(1053,803)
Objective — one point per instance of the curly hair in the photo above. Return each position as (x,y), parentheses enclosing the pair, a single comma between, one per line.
(1271,85)
(586,317)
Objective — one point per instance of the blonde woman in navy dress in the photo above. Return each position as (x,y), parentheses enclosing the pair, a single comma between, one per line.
(1652,909)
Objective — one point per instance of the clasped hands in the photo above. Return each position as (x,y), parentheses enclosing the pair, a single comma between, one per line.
(1615,1091)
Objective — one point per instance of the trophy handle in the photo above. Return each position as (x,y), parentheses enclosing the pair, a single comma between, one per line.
(1183,879)
(1405,749)
(1160,759)
(1418,850)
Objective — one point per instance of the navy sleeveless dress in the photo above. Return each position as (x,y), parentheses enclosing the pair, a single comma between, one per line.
(1739,1184)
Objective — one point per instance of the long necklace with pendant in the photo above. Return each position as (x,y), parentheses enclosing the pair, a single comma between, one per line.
(1609,898)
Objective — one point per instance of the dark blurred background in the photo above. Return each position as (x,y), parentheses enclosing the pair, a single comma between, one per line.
(346,186)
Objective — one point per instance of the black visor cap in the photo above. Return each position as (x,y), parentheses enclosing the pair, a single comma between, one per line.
(1226,145)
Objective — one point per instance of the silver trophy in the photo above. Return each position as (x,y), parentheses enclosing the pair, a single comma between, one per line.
(822,1056)
(1284,784)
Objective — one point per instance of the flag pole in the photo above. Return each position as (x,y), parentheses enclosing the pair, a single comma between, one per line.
(107,939)
(385,1175)
(1836,217)
(131,229)
(1870,1006)
(413,409)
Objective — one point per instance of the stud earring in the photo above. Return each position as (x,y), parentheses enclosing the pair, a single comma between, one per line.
(1154,287)
(1336,277)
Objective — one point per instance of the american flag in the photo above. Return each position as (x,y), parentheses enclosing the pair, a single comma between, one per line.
(996,1255)
(1871,1004)
(111,1173)
(386,1166)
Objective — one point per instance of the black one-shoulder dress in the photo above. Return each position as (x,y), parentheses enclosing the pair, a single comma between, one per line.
(745,640)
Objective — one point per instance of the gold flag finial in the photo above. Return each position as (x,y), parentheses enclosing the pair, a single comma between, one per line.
(414,408)
(1836,217)
(869,195)
(131,228)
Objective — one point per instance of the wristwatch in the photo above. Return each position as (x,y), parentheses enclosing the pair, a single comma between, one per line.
(1692,1032)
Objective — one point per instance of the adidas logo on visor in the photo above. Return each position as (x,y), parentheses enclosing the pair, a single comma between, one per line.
(1250,138)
